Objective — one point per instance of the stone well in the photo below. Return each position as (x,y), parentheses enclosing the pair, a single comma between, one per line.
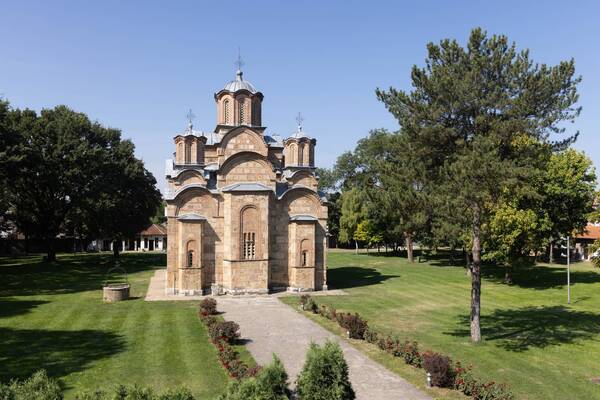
(116,292)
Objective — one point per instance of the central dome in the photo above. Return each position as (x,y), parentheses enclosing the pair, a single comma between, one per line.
(239,84)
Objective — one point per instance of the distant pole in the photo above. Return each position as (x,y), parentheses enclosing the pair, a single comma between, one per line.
(568,270)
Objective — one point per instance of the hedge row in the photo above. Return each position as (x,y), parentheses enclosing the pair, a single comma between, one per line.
(444,372)
(223,334)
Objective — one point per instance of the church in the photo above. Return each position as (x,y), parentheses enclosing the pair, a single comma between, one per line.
(243,211)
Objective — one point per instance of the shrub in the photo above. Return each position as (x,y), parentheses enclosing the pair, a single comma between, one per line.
(308,304)
(136,393)
(269,384)
(440,368)
(208,306)
(355,325)
(371,335)
(411,355)
(465,381)
(226,330)
(37,387)
(325,374)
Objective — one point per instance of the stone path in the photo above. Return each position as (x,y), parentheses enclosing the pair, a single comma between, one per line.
(270,326)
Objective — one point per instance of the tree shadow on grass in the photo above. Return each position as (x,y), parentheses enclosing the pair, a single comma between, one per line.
(350,277)
(24,351)
(12,307)
(69,274)
(539,277)
(520,329)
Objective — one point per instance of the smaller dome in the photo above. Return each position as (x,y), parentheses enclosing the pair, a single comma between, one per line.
(299,134)
(239,84)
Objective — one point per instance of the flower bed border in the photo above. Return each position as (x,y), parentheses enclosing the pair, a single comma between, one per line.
(228,356)
(460,378)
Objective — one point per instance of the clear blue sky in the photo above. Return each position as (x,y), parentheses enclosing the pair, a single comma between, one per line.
(139,66)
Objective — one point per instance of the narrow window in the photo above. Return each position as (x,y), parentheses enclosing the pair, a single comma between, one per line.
(188,153)
(226,112)
(190,258)
(242,116)
(300,154)
(304,258)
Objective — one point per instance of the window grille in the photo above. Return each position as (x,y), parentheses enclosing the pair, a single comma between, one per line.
(226,111)
(242,105)
(190,258)
(304,258)
(249,246)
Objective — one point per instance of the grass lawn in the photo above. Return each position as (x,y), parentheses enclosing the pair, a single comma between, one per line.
(533,340)
(52,317)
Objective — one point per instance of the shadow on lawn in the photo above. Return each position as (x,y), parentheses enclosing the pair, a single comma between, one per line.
(69,274)
(12,307)
(24,351)
(349,277)
(539,277)
(520,329)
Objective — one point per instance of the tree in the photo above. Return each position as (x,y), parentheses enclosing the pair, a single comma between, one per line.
(594,215)
(568,192)
(325,374)
(468,108)
(65,171)
(352,213)
(269,384)
(513,234)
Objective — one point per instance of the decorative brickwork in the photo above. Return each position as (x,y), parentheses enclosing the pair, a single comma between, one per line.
(243,211)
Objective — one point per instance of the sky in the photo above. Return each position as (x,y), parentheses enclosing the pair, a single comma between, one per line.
(139,66)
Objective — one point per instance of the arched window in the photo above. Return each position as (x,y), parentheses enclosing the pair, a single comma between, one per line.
(188,152)
(256,112)
(226,112)
(242,110)
(249,239)
(300,154)
(293,150)
(190,259)
(304,258)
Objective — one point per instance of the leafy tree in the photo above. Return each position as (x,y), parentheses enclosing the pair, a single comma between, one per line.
(594,215)
(352,213)
(467,109)
(64,170)
(368,234)
(513,234)
(568,191)
(325,374)
(594,248)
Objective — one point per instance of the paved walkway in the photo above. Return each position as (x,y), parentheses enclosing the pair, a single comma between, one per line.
(273,327)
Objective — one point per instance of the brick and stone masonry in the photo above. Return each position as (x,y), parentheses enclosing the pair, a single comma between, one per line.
(243,211)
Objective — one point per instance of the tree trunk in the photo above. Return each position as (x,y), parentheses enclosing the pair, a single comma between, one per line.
(551,255)
(508,277)
(50,250)
(476,279)
(116,245)
(356,247)
(409,248)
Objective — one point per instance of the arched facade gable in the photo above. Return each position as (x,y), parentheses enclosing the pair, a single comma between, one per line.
(242,139)
(246,167)
(303,177)
(192,198)
(303,201)
(191,176)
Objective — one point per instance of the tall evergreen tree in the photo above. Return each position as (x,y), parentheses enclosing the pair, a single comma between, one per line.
(468,107)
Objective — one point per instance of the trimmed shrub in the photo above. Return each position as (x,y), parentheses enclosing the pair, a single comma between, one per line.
(269,384)
(37,387)
(308,304)
(411,355)
(325,374)
(355,325)
(226,330)
(208,306)
(440,368)
(136,393)
(371,335)
(466,382)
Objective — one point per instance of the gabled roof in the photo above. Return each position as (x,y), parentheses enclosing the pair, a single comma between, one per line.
(154,229)
(591,232)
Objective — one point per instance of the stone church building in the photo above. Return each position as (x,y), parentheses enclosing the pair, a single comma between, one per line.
(243,211)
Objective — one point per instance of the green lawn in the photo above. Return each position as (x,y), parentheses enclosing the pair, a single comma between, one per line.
(533,340)
(52,317)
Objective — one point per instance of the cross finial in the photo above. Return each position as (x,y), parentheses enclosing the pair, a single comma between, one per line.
(299,120)
(190,116)
(239,63)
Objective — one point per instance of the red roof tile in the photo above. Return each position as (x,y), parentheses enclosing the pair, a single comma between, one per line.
(154,229)
(590,232)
